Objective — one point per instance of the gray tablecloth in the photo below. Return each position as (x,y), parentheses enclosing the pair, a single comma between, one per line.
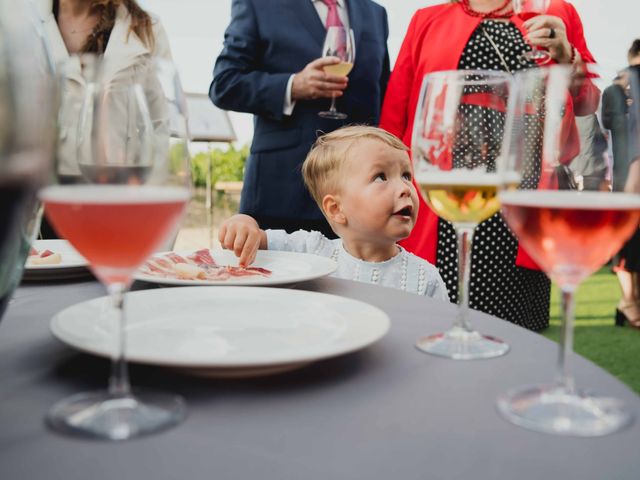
(388,412)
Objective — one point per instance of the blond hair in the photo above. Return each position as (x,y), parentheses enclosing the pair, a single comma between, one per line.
(322,168)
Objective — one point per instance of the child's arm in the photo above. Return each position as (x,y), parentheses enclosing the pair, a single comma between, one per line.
(242,234)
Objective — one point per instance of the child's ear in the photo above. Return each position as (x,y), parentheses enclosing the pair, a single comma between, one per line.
(333,209)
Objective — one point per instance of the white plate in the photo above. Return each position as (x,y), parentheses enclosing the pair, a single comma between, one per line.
(225,331)
(286,267)
(72,265)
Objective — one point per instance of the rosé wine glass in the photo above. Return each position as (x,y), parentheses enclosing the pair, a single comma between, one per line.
(117,200)
(526,9)
(457,137)
(570,232)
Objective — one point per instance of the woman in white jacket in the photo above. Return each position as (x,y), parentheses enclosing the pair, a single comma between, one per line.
(119,31)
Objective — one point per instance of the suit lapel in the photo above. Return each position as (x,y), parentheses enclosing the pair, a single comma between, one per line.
(309,18)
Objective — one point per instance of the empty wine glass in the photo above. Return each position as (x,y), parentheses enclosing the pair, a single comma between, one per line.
(125,197)
(457,138)
(339,43)
(526,9)
(570,233)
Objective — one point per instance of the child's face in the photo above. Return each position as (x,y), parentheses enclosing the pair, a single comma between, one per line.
(377,197)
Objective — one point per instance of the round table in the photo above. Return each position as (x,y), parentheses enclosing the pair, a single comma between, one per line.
(386,412)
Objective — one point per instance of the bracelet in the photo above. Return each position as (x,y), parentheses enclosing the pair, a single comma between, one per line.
(574,51)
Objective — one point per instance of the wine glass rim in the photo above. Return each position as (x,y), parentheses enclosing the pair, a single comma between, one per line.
(488,77)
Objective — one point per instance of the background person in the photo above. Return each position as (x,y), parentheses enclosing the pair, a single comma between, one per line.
(119,31)
(483,34)
(270,67)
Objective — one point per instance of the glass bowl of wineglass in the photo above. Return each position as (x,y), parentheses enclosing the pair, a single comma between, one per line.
(117,200)
(570,229)
(526,9)
(457,138)
(338,43)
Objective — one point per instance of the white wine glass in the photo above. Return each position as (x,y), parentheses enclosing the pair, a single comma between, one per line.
(457,138)
(339,42)
(569,232)
(526,9)
(125,198)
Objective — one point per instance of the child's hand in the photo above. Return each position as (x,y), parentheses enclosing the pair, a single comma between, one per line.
(242,234)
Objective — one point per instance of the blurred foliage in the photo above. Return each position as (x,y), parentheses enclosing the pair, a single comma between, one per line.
(227,165)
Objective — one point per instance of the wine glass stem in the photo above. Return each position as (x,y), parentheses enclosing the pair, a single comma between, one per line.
(564,377)
(464,234)
(333,104)
(119,380)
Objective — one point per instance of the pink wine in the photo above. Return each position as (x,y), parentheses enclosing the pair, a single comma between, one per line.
(114,227)
(524,16)
(571,234)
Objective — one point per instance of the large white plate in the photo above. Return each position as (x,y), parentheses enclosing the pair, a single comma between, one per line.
(73,264)
(286,267)
(225,331)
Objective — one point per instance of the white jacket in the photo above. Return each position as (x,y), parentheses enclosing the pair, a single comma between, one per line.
(124,50)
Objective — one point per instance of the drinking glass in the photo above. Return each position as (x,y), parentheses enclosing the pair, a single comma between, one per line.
(27,126)
(339,43)
(526,9)
(457,138)
(126,196)
(570,233)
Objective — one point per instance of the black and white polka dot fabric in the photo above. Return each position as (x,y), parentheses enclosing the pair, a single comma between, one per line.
(497,286)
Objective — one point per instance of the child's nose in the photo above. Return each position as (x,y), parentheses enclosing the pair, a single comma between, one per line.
(405,188)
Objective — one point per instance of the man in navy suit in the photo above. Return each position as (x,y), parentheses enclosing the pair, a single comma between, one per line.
(271,66)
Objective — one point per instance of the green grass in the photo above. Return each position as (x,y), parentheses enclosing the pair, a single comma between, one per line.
(615,349)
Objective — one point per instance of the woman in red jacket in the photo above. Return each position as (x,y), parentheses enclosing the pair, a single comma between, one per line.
(482,34)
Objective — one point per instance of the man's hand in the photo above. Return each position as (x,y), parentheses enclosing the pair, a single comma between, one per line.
(242,234)
(312,82)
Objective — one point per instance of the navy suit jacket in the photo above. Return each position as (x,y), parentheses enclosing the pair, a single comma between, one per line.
(266,42)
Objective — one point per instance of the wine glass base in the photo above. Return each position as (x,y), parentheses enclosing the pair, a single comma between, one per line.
(332,115)
(552,409)
(460,344)
(541,57)
(109,417)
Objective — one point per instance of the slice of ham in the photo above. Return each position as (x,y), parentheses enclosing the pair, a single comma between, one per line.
(199,265)
(202,257)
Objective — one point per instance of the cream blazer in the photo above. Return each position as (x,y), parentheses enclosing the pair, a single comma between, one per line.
(124,50)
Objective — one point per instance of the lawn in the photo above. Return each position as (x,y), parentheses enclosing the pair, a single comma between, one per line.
(615,349)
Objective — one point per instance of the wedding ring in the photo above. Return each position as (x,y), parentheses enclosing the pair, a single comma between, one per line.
(552,32)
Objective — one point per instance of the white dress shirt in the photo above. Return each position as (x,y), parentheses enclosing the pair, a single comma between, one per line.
(323,11)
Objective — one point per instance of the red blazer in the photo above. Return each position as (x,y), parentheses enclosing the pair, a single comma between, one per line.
(434,41)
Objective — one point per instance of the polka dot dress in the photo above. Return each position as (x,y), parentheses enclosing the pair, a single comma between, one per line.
(497,286)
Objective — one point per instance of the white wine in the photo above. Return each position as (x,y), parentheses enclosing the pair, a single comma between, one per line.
(341,69)
(461,197)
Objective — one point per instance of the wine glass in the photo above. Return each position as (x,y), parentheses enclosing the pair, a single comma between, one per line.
(526,9)
(570,233)
(126,197)
(457,137)
(339,43)
(27,127)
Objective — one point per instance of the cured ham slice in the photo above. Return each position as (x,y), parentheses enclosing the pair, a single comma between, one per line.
(202,257)
(199,265)
(46,257)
